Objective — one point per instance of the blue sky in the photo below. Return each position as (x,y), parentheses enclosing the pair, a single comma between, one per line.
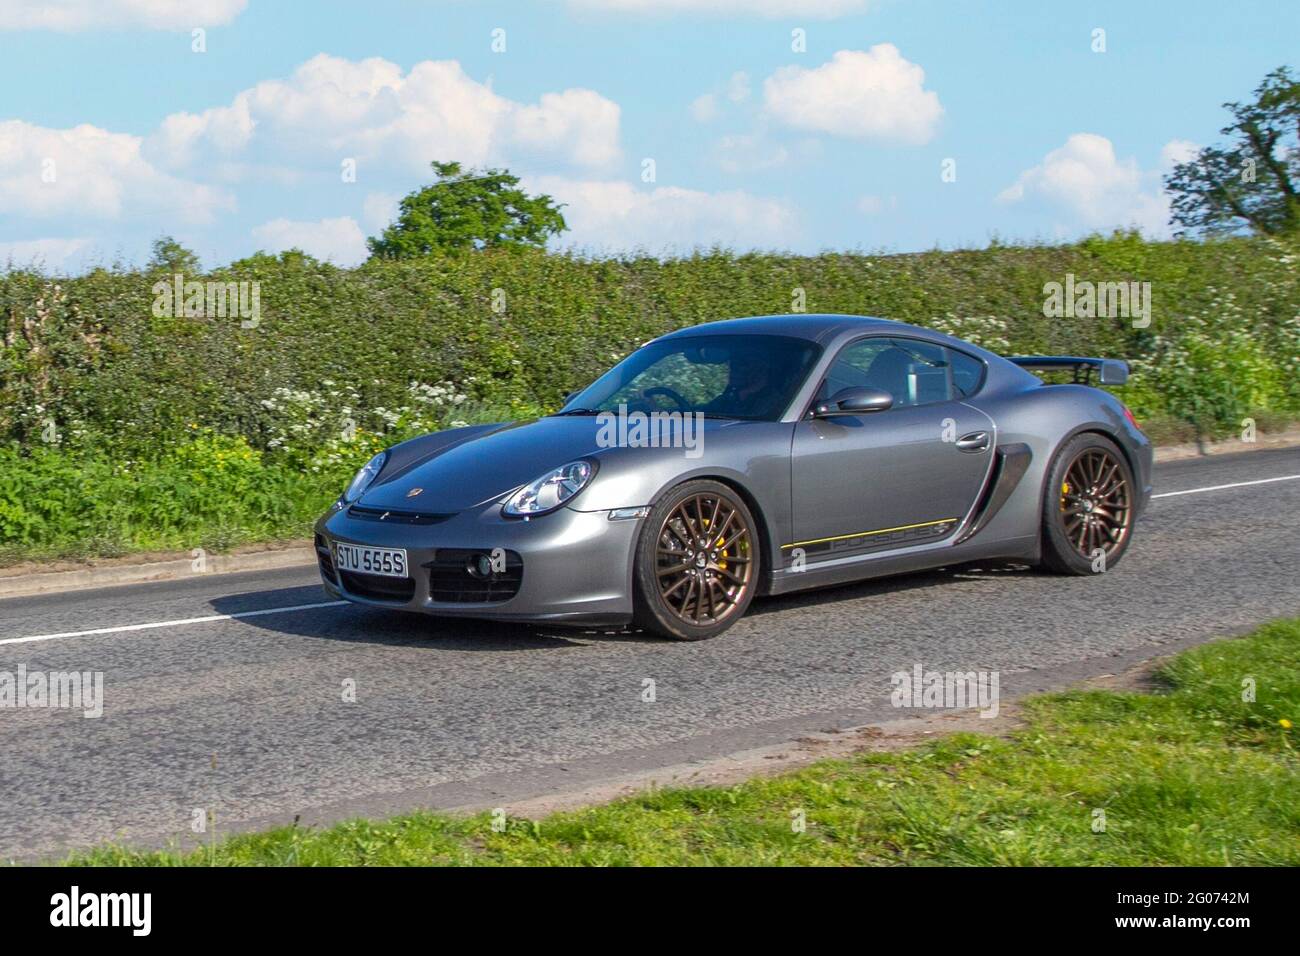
(113,130)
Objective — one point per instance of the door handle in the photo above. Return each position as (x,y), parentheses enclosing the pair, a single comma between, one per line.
(975,441)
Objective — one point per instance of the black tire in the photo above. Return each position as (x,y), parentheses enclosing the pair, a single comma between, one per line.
(1087,516)
(710,598)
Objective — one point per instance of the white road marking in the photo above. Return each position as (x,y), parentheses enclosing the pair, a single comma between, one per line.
(313,607)
(192,620)
(1235,484)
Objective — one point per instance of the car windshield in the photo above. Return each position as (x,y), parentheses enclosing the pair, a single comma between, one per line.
(724,376)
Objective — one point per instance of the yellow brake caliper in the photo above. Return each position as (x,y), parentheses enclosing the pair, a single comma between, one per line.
(722,559)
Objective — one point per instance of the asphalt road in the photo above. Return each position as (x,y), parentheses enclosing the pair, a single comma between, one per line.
(245,717)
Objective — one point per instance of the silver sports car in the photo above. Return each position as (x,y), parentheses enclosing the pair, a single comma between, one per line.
(741,458)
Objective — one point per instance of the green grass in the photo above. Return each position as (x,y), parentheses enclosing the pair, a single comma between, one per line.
(206,490)
(81,506)
(1189,775)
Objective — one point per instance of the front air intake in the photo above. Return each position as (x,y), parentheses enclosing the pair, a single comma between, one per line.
(474,576)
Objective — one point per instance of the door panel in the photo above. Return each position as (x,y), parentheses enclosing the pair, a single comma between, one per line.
(886,479)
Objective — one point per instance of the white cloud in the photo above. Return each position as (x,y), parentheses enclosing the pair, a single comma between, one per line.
(369,110)
(378,210)
(226,129)
(875,94)
(614,215)
(748,153)
(816,9)
(738,87)
(91,172)
(705,108)
(52,254)
(72,15)
(340,241)
(581,123)
(1087,179)
(1177,151)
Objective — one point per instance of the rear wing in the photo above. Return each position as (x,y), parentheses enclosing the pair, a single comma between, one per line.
(1109,371)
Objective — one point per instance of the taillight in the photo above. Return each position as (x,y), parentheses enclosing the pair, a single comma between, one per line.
(1131,420)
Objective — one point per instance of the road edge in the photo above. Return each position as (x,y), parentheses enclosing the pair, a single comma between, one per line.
(1290,438)
(37,583)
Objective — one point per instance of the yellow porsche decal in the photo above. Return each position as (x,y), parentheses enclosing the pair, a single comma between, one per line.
(865,534)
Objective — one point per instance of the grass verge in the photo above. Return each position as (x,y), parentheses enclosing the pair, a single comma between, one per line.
(1189,775)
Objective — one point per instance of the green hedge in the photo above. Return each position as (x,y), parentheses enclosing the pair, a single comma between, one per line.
(89,353)
(346,361)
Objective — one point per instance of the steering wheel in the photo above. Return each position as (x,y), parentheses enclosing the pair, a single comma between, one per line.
(671,394)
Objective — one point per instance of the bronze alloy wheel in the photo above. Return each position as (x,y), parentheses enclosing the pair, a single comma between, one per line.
(704,559)
(1096,502)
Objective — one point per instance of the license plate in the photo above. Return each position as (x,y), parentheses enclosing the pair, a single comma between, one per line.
(386,562)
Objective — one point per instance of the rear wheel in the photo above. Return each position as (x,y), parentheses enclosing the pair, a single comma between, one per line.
(1088,507)
(697,562)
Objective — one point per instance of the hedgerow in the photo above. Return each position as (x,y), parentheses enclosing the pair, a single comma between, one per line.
(345,360)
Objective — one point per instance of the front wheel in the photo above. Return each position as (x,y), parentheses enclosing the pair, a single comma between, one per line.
(697,562)
(1087,507)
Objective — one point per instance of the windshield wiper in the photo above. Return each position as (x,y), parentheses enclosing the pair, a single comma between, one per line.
(577,411)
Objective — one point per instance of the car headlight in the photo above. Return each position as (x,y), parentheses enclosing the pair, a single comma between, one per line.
(553,490)
(365,478)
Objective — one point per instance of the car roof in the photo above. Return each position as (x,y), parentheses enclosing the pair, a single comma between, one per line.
(820,327)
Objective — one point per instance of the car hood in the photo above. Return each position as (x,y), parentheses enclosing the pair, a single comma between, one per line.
(489,464)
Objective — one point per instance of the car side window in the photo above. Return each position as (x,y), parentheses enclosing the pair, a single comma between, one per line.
(967,373)
(914,372)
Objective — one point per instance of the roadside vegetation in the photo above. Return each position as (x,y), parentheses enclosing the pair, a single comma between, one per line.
(1189,774)
(124,430)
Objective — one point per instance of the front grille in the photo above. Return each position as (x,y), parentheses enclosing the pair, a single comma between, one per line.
(377,588)
(396,517)
(326,560)
(451,581)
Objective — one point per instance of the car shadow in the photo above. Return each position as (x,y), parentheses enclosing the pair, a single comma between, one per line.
(891,584)
(360,624)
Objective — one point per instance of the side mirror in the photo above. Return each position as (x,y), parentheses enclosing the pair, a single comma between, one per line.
(855,401)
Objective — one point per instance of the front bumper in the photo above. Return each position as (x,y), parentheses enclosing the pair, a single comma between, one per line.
(574,566)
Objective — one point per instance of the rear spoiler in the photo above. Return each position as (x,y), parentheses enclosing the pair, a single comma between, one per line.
(1109,371)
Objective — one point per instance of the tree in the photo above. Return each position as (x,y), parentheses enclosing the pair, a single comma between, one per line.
(467,211)
(1253,181)
(294,258)
(171,257)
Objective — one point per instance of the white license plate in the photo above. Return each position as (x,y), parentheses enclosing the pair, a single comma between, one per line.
(386,562)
